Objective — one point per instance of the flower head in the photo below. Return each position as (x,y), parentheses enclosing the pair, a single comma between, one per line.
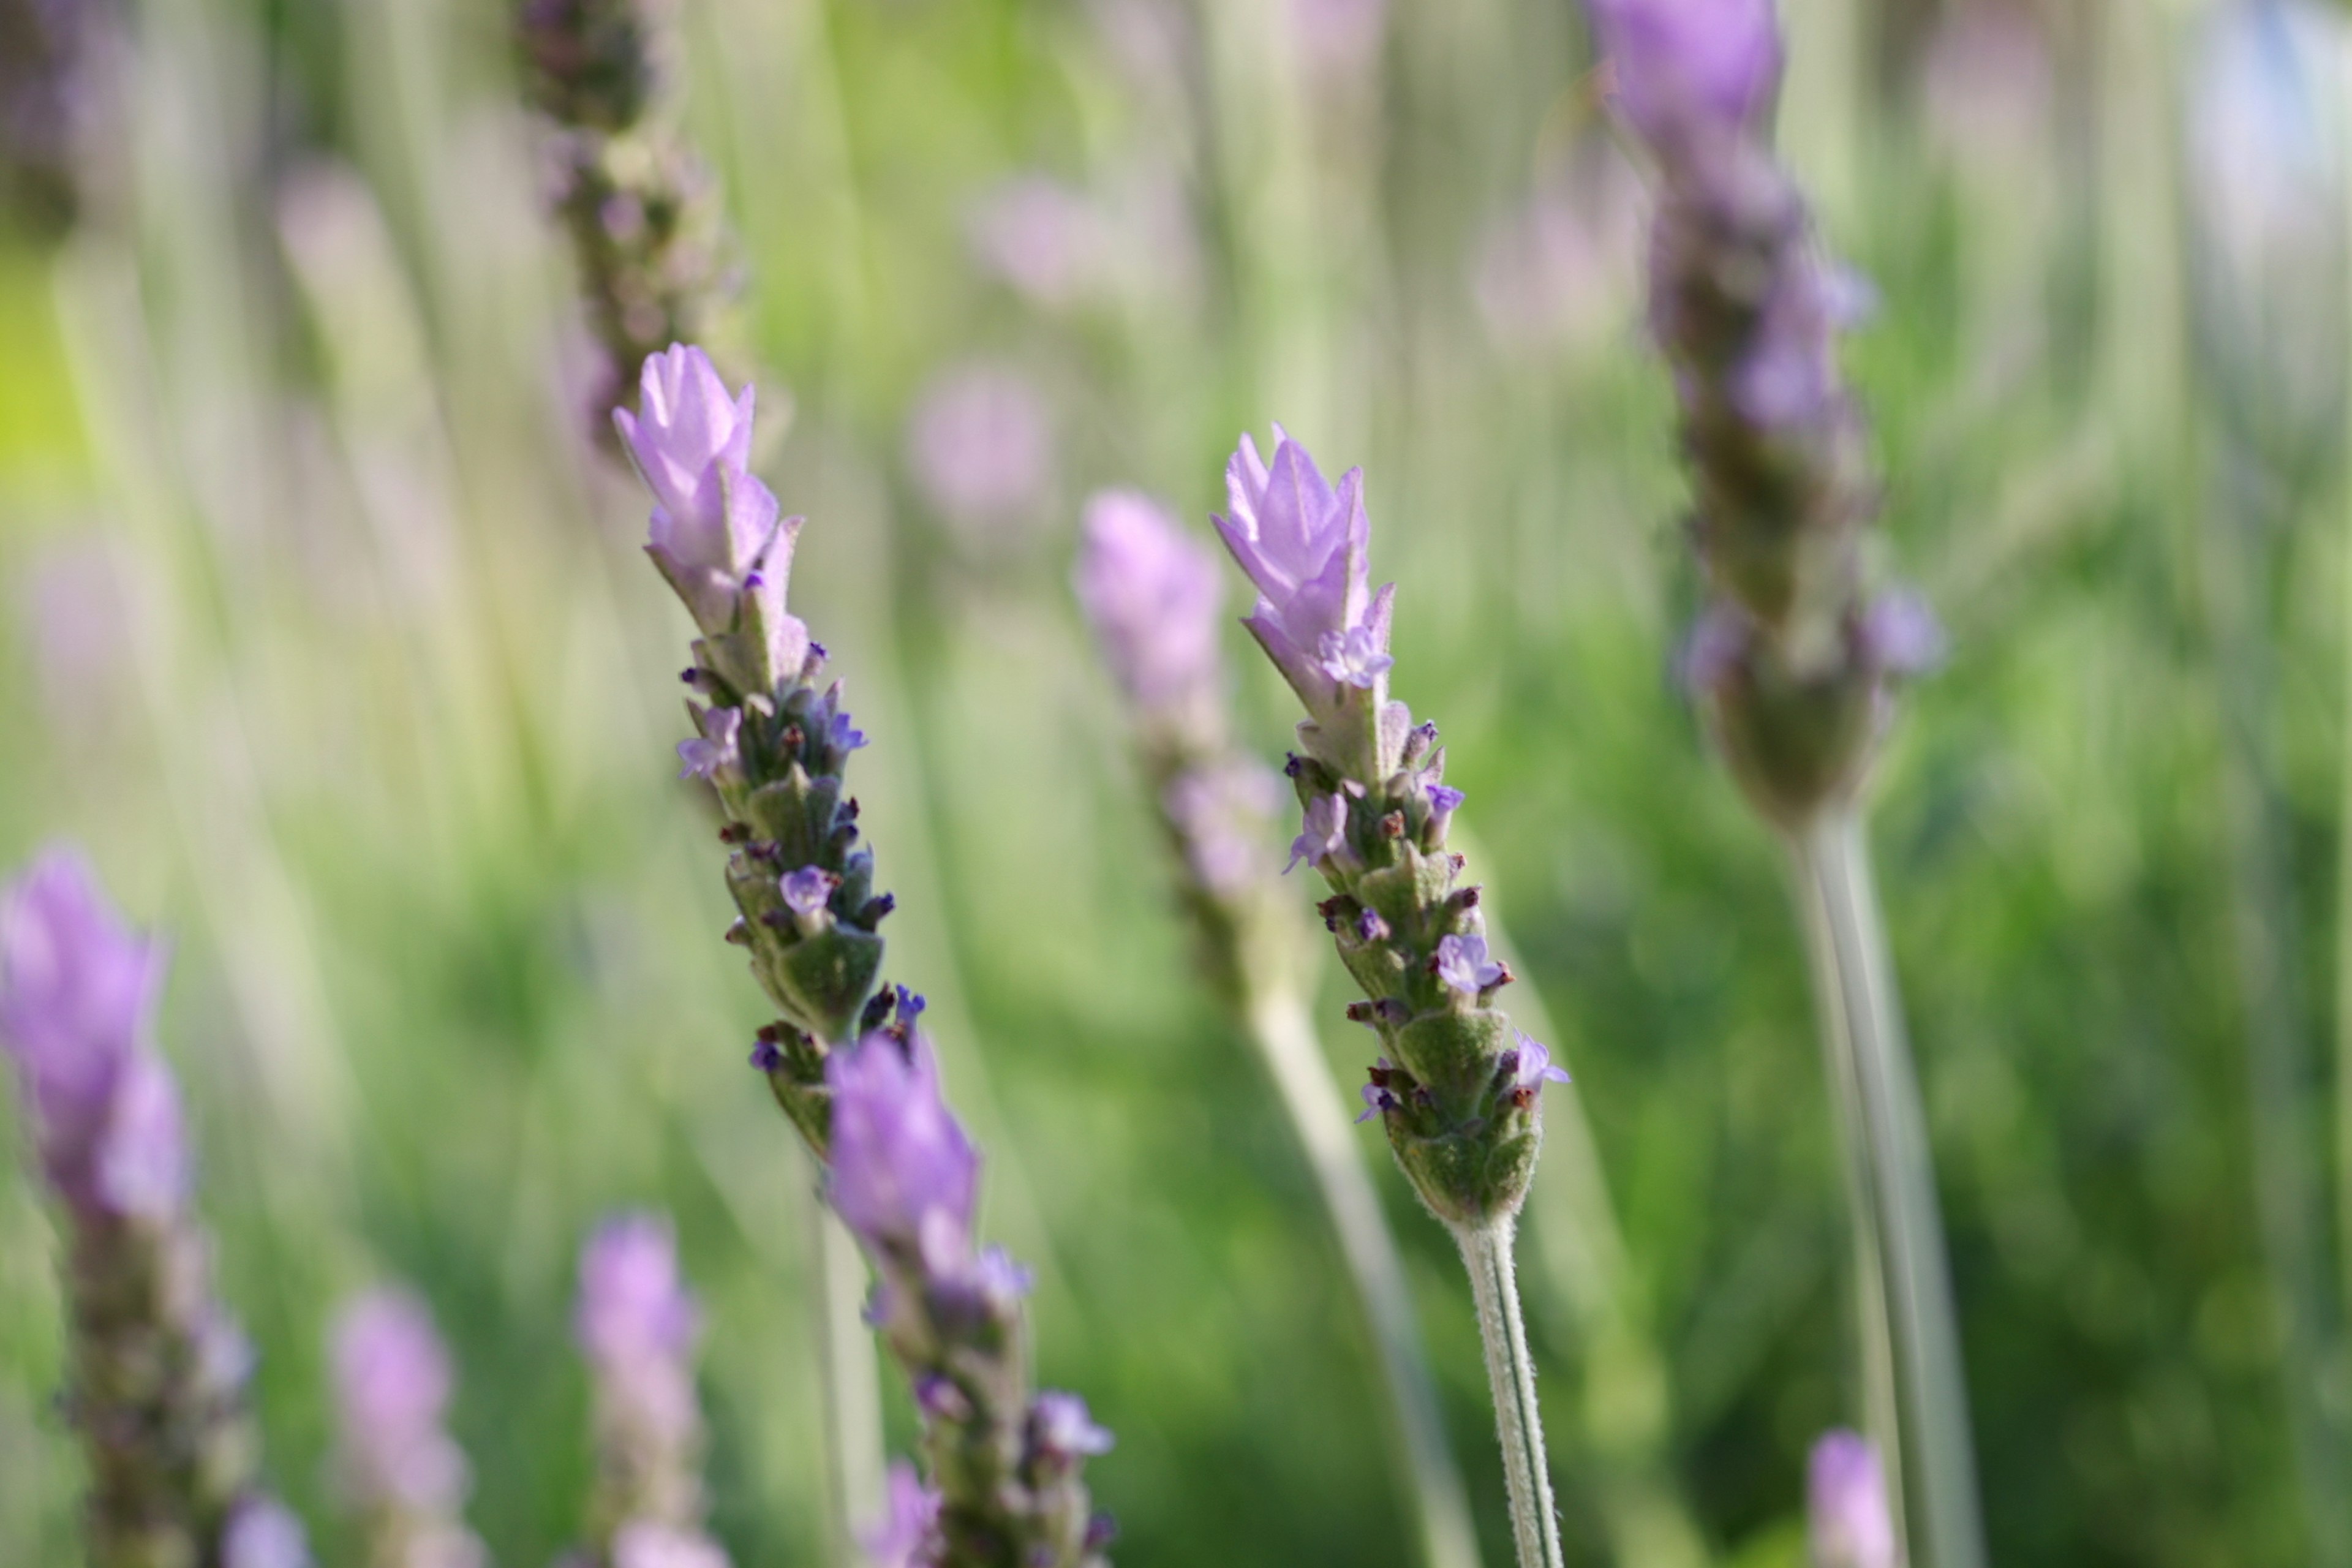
(904,1174)
(1534,1064)
(637,1325)
(1221,812)
(907,1536)
(1463,963)
(78,991)
(1847,1518)
(715,532)
(1323,833)
(393,1384)
(1691,69)
(1305,545)
(1152,594)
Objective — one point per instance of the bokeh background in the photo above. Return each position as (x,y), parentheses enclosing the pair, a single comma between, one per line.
(324,627)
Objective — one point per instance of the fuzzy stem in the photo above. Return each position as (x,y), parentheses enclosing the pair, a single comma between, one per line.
(1511,1377)
(1285,1037)
(1899,1227)
(853,1393)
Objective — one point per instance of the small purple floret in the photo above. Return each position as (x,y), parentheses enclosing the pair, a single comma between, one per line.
(1063,1429)
(715,748)
(1352,659)
(1847,1517)
(807,890)
(907,1535)
(904,1174)
(1463,963)
(1324,832)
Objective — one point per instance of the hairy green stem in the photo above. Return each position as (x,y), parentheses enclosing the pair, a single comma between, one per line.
(1285,1037)
(1909,1330)
(1511,1376)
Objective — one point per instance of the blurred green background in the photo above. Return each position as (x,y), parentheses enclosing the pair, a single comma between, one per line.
(325,629)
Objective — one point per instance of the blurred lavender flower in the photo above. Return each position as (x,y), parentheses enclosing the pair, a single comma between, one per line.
(638,1327)
(979,444)
(846,1064)
(263,1532)
(656,263)
(1152,594)
(647,1544)
(158,1369)
(1847,1521)
(1691,70)
(1220,813)
(1042,239)
(60,69)
(907,1536)
(399,1465)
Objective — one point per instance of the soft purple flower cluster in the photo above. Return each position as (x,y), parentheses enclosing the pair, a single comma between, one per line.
(905,1180)
(399,1466)
(1792,657)
(1153,595)
(159,1368)
(655,261)
(638,1327)
(842,1058)
(1848,1523)
(1456,1086)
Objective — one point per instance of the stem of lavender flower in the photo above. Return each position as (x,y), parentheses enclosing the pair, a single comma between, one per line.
(1285,1037)
(1910,1335)
(853,1390)
(1511,1376)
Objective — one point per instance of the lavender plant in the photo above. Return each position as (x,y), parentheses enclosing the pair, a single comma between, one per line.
(1458,1088)
(158,1368)
(400,1469)
(1794,659)
(1154,597)
(845,1059)
(640,207)
(637,1326)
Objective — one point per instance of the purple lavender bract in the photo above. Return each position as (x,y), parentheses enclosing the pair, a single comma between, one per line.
(903,1172)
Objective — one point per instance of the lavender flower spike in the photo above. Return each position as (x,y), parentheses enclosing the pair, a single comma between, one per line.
(638,1327)
(905,1181)
(158,1369)
(1461,1120)
(1847,1522)
(399,1466)
(1795,659)
(907,1536)
(1152,594)
(843,1058)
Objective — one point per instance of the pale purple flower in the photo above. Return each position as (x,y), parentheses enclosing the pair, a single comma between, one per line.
(715,532)
(1063,1427)
(1463,963)
(1152,593)
(979,444)
(637,1325)
(1534,1066)
(1303,544)
(1376,1099)
(1042,238)
(1444,800)
(78,990)
(714,748)
(841,734)
(807,890)
(904,1174)
(907,1535)
(1221,812)
(1848,1523)
(263,1532)
(392,1384)
(1324,832)
(650,1544)
(1690,68)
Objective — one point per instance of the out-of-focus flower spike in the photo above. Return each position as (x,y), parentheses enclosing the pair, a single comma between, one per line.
(400,1468)
(1847,1522)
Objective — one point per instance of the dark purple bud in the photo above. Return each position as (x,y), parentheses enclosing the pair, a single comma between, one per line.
(877,907)
(877,1012)
(767,1056)
(1369,927)
(1101,1531)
